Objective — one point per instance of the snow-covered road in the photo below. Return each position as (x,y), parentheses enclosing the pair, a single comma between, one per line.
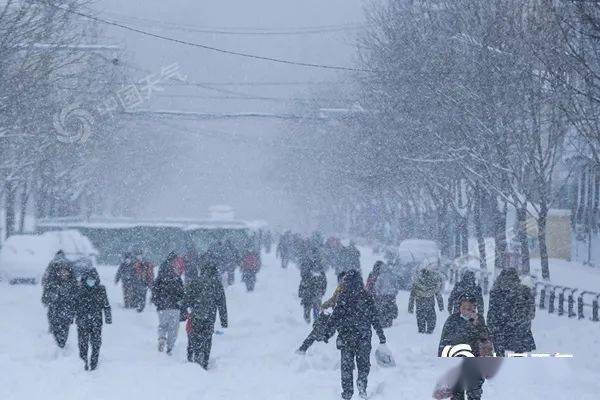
(254,358)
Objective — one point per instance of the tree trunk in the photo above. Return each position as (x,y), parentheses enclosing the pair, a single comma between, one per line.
(541,221)
(522,235)
(478,205)
(10,207)
(23,207)
(465,236)
(500,236)
(443,230)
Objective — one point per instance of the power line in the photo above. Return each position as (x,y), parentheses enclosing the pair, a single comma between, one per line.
(211,48)
(236,30)
(250,97)
(261,83)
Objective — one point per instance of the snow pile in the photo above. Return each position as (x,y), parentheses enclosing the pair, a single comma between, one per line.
(26,256)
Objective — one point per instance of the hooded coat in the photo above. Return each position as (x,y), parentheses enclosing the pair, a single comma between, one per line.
(510,313)
(466,287)
(205,295)
(167,289)
(92,302)
(354,314)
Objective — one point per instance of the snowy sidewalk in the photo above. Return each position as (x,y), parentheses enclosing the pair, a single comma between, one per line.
(254,358)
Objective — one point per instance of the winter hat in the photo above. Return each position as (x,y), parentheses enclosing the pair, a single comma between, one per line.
(467,297)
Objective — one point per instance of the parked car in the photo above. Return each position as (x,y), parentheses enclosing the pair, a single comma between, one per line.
(24,258)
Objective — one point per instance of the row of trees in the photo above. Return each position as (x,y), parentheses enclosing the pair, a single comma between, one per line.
(472,108)
(55,139)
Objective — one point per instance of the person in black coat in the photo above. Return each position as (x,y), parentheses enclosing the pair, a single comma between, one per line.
(167,296)
(92,302)
(465,326)
(466,286)
(353,317)
(203,297)
(313,284)
(510,314)
(59,295)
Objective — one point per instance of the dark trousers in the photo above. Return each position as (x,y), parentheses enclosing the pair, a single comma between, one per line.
(360,353)
(200,342)
(470,383)
(89,335)
(128,297)
(249,278)
(59,327)
(426,317)
(139,297)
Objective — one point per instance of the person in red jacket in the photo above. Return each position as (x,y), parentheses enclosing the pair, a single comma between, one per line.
(143,277)
(250,266)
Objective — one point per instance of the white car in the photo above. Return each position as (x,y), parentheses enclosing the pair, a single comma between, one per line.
(24,258)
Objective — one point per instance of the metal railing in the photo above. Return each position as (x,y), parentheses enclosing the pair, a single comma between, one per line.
(547,298)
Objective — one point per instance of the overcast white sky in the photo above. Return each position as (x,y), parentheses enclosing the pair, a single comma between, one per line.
(214,170)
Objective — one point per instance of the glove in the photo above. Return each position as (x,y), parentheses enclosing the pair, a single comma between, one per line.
(411,311)
(108,321)
(382,341)
(224,325)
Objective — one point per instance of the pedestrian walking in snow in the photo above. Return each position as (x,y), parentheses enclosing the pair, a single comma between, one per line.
(512,308)
(350,258)
(59,294)
(466,286)
(143,276)
(381,285)
(503,318)
(425,291)
(231,260)
(284,248)
(167,296)
(313,283)
(353,317)
(125,275)
(204,296)
(251,264)
(92,302)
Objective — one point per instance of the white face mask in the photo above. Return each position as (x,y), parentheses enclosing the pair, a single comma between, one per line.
(90,282)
